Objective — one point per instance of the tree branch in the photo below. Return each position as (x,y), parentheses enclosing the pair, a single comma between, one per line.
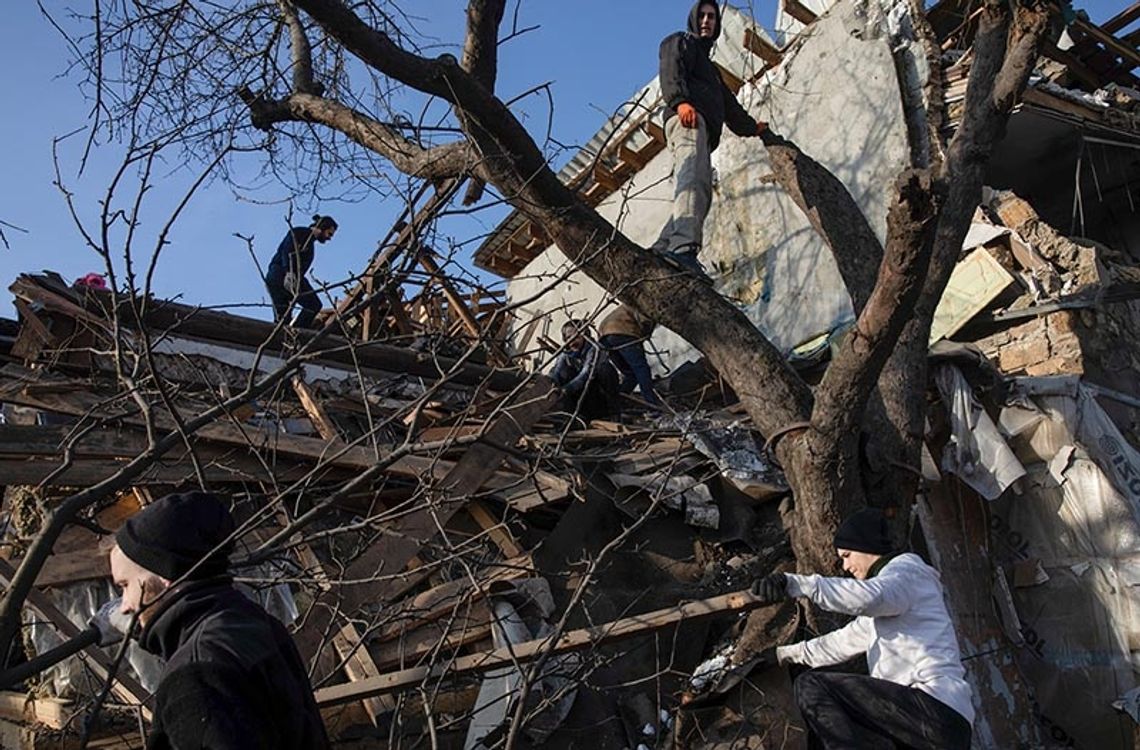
(854,371)
(450,160)
(302,67)
(481,48)
(773,393)
(832,212)
(996,82)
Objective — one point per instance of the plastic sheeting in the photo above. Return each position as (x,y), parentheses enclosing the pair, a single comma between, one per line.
(976,452)
(521,610)
(1077,520)
(80,601)
(69,679)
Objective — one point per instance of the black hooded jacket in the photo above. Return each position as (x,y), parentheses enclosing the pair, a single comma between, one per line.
(294,254)
(233,677)
(688,75)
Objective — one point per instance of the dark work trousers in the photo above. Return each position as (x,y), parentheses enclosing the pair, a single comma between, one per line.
(283,300)
(859,712)
(599,400)
(628,355)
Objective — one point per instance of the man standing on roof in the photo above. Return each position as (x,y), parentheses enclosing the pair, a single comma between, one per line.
(697,106)
(285,277)
(917,695)
(233,678)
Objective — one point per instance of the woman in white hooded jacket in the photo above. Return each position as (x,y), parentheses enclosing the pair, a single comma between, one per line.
(916,695)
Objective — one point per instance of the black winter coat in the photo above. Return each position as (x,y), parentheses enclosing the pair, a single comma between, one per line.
(295,253)
(688,75)
(233,678)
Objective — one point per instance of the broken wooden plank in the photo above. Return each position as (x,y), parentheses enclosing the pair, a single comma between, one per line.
(496,529)
(408,534)
(575,640)
(1122,19)
(405,233)
(30,454)
(254,335)
(312,406)
(54,713)
(756,44)
(34,334)
(799,11)
(84,472)
(1126,52)
(470,622)
(440,600)
(14,382)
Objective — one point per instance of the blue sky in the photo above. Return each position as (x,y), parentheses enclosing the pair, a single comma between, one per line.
(594,53)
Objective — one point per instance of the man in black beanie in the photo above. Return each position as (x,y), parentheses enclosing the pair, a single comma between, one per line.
(916,695)
(233,677)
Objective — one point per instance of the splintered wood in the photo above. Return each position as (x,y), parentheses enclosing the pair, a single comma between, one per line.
(399,494)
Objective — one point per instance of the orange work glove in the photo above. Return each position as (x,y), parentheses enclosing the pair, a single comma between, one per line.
(687,114)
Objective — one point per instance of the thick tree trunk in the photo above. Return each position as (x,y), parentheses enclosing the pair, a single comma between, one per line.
(1004,55)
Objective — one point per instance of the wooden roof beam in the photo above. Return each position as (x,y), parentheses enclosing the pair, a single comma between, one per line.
(1122,19)
(1126,52)
(799,11)
(762,48)
(509,656)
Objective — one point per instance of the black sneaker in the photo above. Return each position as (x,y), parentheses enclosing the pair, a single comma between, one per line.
(687,262)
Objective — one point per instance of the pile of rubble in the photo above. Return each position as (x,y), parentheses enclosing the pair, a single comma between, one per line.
(399,509)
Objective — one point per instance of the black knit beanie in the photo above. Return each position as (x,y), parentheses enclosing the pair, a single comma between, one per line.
(864,531)
(173,534)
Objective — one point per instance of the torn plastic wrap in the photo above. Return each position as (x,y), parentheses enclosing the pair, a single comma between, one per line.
(1076,521)
(521,610)
(976,452)
(69,678)
(275,597)
(80,601)
(1075,416)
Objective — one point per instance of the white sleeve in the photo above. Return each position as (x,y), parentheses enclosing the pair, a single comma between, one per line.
(835,647)
(884,595)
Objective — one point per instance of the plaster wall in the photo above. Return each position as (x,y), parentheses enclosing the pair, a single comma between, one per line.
(837,96)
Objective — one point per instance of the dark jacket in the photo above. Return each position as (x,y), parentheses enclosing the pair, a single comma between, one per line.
(233,678)
(574,370)
(688,75)
(295,253)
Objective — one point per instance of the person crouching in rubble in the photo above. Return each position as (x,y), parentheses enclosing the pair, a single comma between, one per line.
(232,677)
(916,695)
(285,277)
(584,373)
(623,334)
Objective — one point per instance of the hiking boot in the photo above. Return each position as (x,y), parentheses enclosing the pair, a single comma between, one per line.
(687,261)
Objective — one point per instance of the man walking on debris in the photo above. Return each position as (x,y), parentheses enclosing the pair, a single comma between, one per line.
(697,106)
(623,334)
(917,695)
(587,378)
(285,277)
(233,677)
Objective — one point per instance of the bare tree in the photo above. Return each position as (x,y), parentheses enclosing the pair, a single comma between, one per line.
(329,84)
